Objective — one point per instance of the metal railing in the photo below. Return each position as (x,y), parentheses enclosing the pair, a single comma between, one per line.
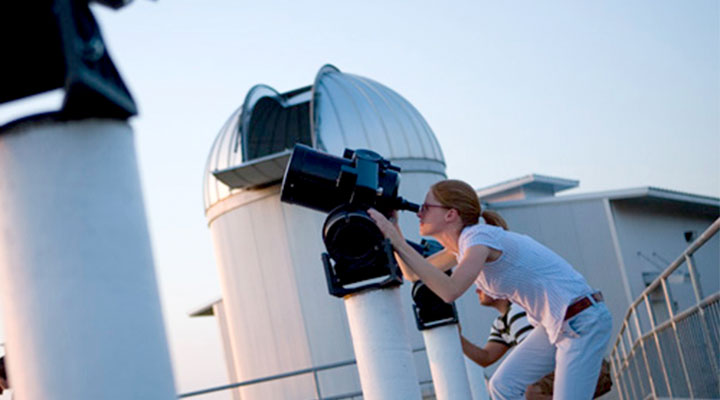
(313,370)
(675,358)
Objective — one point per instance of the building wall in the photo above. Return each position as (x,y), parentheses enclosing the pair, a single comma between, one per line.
(219,313)
(265,321)
(326,326)
(651,236)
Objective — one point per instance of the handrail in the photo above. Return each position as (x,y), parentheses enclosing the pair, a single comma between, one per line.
(283,375)
(710,232)
(701,240)
(632,367)
(269,378)
(690,311)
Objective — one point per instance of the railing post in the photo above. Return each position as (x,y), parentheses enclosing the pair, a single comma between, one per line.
(677,339)
(642,347)
(616,373)
(618,367)
(693,278)
(657,344)
(626,362)
(703,323)
(317,385)
(633,352)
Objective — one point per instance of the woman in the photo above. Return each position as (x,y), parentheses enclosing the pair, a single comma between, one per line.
(572,323)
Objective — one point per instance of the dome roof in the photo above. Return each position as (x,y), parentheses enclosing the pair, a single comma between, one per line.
(338,111)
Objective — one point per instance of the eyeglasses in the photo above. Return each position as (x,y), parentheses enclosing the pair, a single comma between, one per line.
(425,207)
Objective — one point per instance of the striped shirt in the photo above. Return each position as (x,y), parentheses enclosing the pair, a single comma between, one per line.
(528,274)
(510,328)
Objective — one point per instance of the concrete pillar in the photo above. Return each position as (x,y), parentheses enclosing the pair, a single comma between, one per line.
(447,364)
(81,305)
(382,345)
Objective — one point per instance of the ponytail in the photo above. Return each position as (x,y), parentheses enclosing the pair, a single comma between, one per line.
(493,218)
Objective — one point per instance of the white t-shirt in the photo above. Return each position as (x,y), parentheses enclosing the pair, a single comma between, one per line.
(527,273)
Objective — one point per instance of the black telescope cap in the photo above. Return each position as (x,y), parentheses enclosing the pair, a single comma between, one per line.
(311,179)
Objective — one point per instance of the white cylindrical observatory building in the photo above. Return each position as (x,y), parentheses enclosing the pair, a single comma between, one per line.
(278,314)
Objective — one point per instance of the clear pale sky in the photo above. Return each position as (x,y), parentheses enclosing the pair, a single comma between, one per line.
(616,94)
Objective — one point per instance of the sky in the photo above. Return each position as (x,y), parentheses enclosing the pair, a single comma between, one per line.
(615,94)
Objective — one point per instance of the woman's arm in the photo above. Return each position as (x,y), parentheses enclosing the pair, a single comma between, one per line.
(446,287)
(406,270)
(442,260)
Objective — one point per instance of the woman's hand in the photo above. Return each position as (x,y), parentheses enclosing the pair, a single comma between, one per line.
(389,228)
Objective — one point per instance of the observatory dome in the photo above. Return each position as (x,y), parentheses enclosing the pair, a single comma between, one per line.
(338,111)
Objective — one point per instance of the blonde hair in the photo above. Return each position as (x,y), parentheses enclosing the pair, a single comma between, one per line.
(493,218)
(453,193)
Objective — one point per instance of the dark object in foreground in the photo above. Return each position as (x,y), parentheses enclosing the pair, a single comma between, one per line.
(51,44)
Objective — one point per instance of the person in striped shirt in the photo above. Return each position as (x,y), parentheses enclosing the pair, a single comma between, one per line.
(508,330)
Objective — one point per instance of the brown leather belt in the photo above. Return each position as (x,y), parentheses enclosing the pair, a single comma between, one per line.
(585,302)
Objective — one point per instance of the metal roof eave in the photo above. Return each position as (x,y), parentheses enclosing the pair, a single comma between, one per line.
(556,184)
(258,172)
(632,193)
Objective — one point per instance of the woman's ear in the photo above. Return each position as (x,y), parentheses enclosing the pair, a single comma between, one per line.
(451,215)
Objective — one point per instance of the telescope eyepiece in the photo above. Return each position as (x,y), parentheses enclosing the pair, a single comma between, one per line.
(407,205)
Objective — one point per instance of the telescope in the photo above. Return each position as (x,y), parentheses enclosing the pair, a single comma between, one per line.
(358,256)
(361,178)
(430,310)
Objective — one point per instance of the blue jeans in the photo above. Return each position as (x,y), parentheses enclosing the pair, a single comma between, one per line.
(576,358)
